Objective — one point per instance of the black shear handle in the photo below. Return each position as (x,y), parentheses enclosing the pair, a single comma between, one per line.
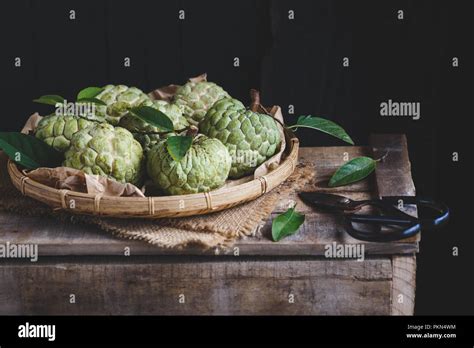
(440,210)
(378,236)
(403,225)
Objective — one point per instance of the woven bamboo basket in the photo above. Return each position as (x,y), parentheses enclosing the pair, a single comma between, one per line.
(161,206)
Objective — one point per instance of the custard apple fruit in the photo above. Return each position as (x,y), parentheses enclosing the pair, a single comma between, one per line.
(136,124)
(197,98)
(205,167)
(119,100)
(147,141)
(104,150)
(250,137)
(57,130)
(139,127)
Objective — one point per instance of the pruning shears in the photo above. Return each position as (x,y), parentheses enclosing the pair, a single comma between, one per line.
(388,222)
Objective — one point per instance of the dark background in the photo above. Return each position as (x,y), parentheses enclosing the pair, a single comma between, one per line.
(293,62)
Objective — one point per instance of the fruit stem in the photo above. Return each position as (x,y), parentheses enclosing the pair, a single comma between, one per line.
(255,106)
(255,100)
(192,131)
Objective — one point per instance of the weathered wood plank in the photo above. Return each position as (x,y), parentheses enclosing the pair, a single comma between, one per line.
(233,284)
(393,178)
(324,174)
(332,156)
(220,287)
(66,239)
(393,174)
(283,204)
(318,231)
(59,238)
(403,285)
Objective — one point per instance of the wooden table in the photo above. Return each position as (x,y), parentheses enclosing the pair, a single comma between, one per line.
(83,270)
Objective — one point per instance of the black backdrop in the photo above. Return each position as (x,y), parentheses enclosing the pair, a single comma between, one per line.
(293,62)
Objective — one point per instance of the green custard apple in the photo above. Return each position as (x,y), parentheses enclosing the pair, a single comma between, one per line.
(119,99)
(57,130)
(136,124)
(147,141)
(197,97)
(251,138)
(108,151)
(205,167)
(139,128)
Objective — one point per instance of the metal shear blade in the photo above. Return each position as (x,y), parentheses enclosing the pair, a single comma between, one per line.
(402,224)
(331,202)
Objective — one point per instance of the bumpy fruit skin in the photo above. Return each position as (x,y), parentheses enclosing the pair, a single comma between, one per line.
(57,130)
(250,137)
(104,150)
(147,141)
(136,124)
(119,100)
(197,97)
(139,127)
(205,167)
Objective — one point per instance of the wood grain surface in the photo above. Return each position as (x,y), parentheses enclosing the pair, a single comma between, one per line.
(257,276)
(403,285)
(56,238)
(160,286)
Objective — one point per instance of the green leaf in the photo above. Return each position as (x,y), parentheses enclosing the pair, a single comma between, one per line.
(91,100)
(89,92)
(154,117)
(354,170)
(178,146)
(324,126)
(49,99)
(29,151)
(286,224)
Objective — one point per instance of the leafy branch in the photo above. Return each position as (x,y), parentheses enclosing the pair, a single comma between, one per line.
(322,125)
(153,117)
(308,121)
(29,151)
(87,95)
(177,146)
(50,99)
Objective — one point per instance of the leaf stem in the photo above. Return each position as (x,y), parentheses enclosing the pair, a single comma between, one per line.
(381,158)
(165,132)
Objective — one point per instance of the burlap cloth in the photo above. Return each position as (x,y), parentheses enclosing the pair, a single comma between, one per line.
(207,231)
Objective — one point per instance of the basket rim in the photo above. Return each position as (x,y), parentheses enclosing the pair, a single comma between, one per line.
(19,175)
